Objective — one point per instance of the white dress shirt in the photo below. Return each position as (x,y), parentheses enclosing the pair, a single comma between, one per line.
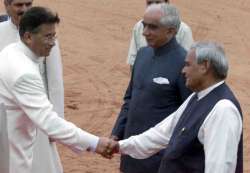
(28,109)
(46,157)
(220,135)
(184,37)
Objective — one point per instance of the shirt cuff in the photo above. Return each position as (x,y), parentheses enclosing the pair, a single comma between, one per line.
(122,144)
(94,144)
(88,141)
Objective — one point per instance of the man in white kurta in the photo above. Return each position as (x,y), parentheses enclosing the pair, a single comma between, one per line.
(28,108)
(184,37)
(45,155)
(220,140)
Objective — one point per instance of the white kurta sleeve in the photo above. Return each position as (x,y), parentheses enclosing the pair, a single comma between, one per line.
(30,95)
(153,140)
(220,134)
(150,142)
(132,52)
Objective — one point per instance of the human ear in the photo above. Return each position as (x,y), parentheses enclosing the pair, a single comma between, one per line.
(27,38)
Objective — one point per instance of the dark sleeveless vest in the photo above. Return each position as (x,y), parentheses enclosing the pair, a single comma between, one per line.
(185,153)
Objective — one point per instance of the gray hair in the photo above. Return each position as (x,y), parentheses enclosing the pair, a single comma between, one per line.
(213,53)
(169,14)
(171,17)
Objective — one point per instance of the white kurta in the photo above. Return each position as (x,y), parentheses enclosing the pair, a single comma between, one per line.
(28,109)
(184,37)
(46,158)
(9,34)
(220,134)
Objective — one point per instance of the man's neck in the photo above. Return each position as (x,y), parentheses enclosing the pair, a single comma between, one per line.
(204,92)
(15,23)
(207,83)
(166,42)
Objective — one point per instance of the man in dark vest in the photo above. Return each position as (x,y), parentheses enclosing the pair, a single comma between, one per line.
(204,135)
(157,87)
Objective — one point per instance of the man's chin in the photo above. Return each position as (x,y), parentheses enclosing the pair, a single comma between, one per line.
(187,83)
(19,19)
(47,54)
(44,54)
(151,44)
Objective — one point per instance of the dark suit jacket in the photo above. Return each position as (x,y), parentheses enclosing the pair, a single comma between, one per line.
(3,17)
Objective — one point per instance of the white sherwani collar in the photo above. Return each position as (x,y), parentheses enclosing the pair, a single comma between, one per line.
(13,26)
(28,52)
(206,91)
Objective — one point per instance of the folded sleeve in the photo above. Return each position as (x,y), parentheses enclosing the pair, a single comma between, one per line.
(150,142)
(153,140)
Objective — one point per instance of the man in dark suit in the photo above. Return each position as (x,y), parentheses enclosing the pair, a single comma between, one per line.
(157,87)
(4,17)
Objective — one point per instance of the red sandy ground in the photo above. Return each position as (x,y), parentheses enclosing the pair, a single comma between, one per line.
(94,37)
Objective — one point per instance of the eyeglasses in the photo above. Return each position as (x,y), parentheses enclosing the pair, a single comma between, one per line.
(49,37)
(45,38)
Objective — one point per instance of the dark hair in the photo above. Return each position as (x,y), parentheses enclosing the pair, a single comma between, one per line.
(34,18)
(8,2)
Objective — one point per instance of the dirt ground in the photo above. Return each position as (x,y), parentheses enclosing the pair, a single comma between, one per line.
(94,37)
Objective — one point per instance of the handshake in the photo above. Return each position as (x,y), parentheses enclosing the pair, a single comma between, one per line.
(107,147)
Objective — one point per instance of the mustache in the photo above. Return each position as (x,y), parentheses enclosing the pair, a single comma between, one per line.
(20,13)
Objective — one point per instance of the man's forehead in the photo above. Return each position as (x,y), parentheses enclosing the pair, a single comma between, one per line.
(191,55)
(149,19)
(153,12)
(155,1)
(46,28)
(22,1)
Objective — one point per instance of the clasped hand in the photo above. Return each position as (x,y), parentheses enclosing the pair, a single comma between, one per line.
(107,147)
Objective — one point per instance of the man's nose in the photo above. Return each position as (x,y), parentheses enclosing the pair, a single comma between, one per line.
(24,7)
(52,42)
(183,71)
(145,31)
